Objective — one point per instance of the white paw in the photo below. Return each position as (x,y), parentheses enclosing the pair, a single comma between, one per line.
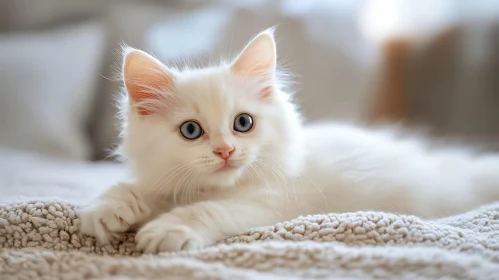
(111,217)
(166,234)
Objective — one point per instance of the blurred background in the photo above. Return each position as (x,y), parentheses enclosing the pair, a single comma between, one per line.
(426,63)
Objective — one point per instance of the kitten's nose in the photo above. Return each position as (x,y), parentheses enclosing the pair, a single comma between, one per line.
(224,152)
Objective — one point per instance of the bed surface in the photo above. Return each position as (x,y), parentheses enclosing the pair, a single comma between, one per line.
(25,176)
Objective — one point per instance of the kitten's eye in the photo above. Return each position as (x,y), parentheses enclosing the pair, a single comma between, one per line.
(243,123)
(191,130)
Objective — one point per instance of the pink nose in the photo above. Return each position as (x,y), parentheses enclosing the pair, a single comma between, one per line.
(224,152)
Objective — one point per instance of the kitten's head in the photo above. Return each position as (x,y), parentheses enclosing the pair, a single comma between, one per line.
(212,126)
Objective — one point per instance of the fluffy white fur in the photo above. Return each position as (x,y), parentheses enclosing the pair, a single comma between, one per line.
(179,199)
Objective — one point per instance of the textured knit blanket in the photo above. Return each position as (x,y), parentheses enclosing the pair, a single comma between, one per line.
(40,240)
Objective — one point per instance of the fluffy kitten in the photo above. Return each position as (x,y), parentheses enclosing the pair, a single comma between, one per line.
(217,151)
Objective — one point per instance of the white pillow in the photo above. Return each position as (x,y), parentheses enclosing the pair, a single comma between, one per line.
(47,88)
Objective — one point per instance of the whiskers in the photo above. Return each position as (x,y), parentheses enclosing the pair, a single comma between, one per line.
(180,180)
(182,184)
(287,187)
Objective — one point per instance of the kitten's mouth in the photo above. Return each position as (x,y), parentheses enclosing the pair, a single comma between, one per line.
(226,167)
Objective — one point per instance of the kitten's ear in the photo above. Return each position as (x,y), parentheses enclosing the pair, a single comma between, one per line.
(258,58)
(146,79)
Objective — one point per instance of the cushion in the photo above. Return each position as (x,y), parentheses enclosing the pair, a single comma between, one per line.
(47,88)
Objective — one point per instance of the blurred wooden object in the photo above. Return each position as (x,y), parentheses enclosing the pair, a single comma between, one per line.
(392,96)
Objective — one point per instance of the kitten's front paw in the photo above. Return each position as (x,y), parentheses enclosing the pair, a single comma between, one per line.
(166,234)
(111,217)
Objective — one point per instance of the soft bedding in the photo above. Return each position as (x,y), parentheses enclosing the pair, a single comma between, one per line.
(40,239)
(25,175)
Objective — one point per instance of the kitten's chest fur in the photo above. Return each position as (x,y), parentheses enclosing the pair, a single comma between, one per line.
(289,196)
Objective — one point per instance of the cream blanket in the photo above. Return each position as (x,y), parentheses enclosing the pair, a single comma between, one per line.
(40,240)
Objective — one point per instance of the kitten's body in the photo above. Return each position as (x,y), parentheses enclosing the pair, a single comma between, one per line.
(184,196)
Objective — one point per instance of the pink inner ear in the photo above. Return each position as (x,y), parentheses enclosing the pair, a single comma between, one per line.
(139,93)
(145,78)
(266,93)
(258,60)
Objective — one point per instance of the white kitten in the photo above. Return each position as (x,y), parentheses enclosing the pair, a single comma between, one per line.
(217,151)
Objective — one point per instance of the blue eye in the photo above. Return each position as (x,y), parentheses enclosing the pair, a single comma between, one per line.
(243,123)
(191,130)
